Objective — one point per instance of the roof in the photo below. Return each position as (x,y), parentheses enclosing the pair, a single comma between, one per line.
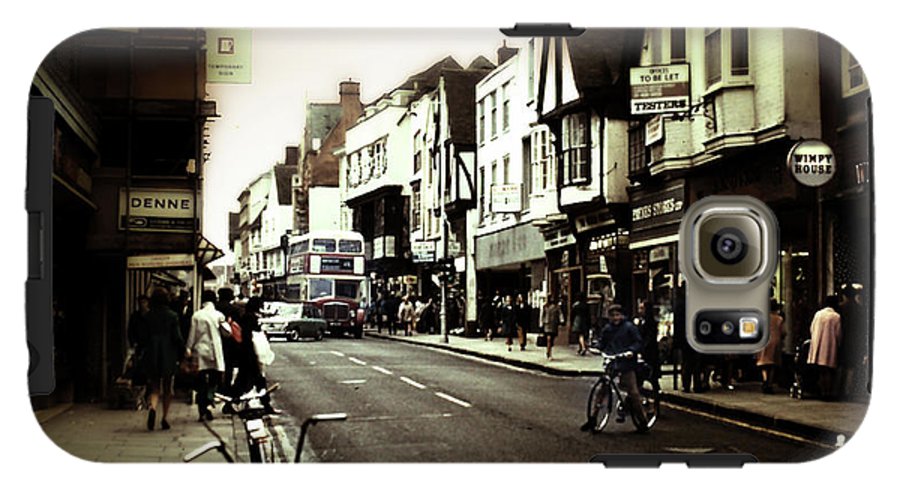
(459,88)
(320,118)
(283,177)
(601,58)
(424,81)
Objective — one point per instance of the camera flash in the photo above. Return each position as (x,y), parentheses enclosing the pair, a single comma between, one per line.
(749,327)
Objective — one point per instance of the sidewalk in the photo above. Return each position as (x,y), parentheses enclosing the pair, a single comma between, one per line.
(829,423)
(96,433)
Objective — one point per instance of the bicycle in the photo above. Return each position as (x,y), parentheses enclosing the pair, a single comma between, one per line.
(252,413)
(249,408)
(606,390)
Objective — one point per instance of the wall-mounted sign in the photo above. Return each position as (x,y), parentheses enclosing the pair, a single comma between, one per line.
(378,248)
(811,162)
(228,56)
(506,198)
(654,130)
(155,261)
(157,210)
(423,251)
(660,89)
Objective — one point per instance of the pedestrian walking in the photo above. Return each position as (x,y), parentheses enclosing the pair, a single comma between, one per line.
(649,328)
(204,346)
(825,342)
(250,373)
(581,322)
(230,346)
(854,355)
(405,315)
(161,354)
(523,320)
(486,321)
(550,320)
(380,310)
(768,357)
(508,321)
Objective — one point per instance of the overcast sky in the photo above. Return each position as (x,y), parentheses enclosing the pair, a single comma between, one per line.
(291,67)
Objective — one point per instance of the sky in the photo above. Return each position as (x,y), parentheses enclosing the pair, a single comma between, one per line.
(291,67)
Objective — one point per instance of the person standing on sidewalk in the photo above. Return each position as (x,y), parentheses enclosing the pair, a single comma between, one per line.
(405,315)
(250,373)
(486,319)
(825,343)
(768,357)
(551,318)
(508,321)
(204,345)
(854,355)
(581,322)
(161,354)
(647,325)
(523,320)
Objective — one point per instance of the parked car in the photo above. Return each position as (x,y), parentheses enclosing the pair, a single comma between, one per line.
(295,321)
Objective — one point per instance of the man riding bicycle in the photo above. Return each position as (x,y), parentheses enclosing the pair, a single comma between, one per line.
(622,338)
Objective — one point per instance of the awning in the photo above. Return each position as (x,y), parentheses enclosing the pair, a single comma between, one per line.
(207,252)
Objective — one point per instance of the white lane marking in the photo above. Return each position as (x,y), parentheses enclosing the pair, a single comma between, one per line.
(452,399)
(353,382)
(339,354)
(381,370)
(356,361)
(413,383)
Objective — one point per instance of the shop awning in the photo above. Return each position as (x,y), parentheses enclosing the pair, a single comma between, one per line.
(207,252)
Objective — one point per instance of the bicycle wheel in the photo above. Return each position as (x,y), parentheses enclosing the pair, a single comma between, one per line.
(649,403)
(600,401)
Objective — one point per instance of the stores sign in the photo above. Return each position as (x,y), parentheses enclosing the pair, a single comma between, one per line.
(660,89)
(811,162)
(157,210)
(423,251)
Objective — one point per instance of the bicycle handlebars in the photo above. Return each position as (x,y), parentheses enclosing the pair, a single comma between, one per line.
(253,394)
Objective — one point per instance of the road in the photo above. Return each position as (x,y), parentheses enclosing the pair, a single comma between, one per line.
(408,403)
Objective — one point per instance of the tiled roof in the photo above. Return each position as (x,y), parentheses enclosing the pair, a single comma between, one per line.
(459,87)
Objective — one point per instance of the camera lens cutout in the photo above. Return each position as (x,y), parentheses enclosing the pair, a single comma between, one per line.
(705,327)
(729,245)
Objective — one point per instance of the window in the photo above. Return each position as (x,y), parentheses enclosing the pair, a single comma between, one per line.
(677,45)
(481,121)
(493,100)
(575,152)
(637,150)
(505,92)
(531,69)
(417,162)
(350,246)
(713,46)
(506,169)
(416,206)
(542,172)
(727,54)
(526,173)
(482,181)
(347,289)
(319,288)
(323,245)
(853,80)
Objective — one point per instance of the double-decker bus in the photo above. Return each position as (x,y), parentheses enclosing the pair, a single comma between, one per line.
(327,267)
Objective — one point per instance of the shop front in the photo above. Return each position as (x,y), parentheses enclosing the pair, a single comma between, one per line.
(563,270)
(655,218)
(511,262)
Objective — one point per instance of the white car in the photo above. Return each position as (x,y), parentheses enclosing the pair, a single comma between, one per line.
(295,321)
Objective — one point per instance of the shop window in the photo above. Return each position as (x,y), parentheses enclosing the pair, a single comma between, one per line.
(575,152)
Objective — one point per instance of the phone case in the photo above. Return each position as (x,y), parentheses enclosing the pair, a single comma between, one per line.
(287,245)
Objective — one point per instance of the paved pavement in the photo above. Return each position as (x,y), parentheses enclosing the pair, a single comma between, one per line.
(827,422)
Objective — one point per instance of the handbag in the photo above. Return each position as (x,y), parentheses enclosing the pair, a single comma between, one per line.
(189,366)
(262,348)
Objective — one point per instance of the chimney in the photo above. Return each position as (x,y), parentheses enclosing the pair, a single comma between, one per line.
(351,107)
(291,155)
(504,53)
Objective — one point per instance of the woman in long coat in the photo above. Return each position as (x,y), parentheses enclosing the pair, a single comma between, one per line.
(581,322)
(767,358)
(825,341)
(508,321)
(162,352)
(550,320)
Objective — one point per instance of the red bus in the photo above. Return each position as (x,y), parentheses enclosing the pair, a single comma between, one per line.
(328,268)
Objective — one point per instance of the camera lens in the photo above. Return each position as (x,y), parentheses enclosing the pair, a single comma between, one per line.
(729,245)
(705,327)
